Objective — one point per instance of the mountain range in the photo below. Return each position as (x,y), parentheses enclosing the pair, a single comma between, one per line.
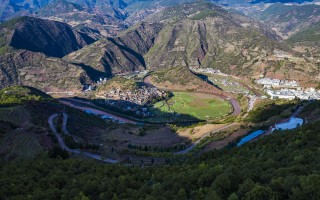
(191,35)
(159,99)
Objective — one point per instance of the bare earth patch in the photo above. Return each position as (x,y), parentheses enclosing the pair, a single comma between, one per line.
(222,143)
(198,131)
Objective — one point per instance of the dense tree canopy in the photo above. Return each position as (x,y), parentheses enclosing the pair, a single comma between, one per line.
(285,165)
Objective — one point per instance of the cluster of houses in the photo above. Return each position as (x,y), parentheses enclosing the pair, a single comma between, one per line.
(136,101)
(141,96)
(286,93)
(276,83)
(285,89)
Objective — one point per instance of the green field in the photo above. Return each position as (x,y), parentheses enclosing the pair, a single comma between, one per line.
(200,106)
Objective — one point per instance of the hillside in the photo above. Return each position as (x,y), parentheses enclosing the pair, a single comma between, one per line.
(202,35)
(23,112)
(289,19)
(307,39)
(206,35)
(83,18)
(49,37)
(121,54)
(28,63)
(180,79)
(279,166)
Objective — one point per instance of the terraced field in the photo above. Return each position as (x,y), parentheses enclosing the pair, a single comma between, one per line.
(198,105)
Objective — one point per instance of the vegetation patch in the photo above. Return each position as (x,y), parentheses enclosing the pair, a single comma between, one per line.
(18,95)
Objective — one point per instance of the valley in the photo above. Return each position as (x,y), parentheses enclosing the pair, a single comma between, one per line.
(158,85)
(159,99)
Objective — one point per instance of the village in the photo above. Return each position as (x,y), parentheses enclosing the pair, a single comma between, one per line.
(135,101)
(285,89)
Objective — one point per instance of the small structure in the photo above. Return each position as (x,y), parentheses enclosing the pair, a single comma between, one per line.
(250,137)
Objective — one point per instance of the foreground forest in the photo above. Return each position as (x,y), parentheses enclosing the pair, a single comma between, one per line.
(280,166)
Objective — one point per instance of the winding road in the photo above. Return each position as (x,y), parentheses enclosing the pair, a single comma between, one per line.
(74,151)
(80,105)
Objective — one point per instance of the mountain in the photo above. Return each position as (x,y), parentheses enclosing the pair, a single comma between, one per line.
(190,35)
(118,9)
(203,34)
(280,1)
(14,8)
(83,18)
(49,37)
(25,47)
(309,36)
(307,41)
(289,19)
(120,54)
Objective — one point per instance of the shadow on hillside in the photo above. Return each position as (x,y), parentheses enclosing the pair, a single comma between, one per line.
(138,56)
(134,112)
(93,74)
(151,136)
(206,79)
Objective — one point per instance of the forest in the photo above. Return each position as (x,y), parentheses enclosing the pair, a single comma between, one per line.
(284,165)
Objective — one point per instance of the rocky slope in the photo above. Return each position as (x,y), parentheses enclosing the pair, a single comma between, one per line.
(289,19)
(205,35)
(49,37)
(196,35)
(83,18)
(37,70)
(120,54)
(193,35)
(26,43)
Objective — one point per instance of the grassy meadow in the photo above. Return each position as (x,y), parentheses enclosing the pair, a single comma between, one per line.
(200,106)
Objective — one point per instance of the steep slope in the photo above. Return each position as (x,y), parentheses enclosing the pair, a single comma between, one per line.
(289,19)
(20,63)
(12,8)
(49,37)
(121,54)
(205,35)
(23,113)
(307,42)
(195,35)
(35,69)
(83,18)
(309,36)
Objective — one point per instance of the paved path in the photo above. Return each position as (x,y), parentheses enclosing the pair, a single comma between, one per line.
(187,150)
(75,104)
(74,151)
